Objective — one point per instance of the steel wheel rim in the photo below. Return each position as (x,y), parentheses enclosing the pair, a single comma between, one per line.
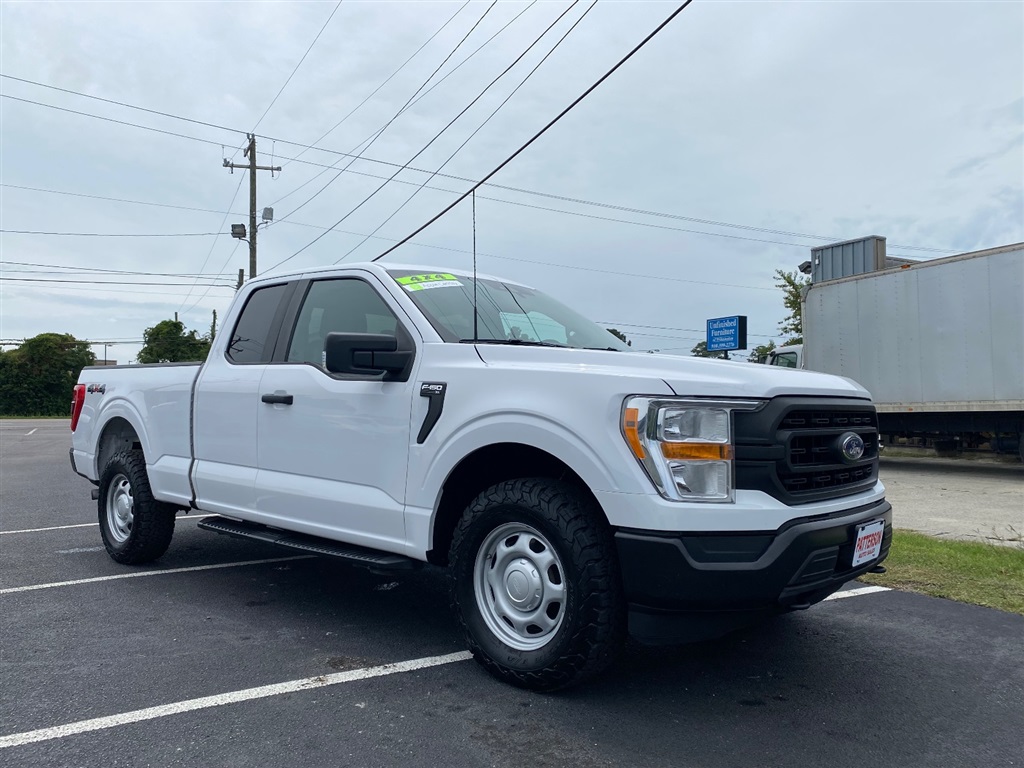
(120,509)
(520,586)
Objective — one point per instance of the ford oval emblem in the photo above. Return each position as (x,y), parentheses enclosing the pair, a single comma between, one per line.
(852,446)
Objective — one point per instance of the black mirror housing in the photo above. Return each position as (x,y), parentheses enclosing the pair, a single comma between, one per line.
(367,354)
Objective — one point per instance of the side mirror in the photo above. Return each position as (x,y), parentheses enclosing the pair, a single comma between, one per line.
(366,354)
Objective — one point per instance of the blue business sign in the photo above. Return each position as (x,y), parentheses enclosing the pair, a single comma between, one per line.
(727,333)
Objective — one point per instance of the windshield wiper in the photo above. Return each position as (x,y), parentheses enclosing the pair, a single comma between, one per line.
(514,342)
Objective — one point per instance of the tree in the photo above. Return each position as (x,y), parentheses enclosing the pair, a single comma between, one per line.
(792,285)
(167,342)
(701,350)
(760,353)
(620,335)
(37,378)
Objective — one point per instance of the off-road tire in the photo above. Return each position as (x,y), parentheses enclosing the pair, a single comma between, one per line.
(152,522)
(592,629)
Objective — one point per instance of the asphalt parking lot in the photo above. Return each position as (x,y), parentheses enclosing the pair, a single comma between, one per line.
(231,653)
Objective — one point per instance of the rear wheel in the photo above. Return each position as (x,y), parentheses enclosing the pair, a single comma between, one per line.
(136,528)
(535,583)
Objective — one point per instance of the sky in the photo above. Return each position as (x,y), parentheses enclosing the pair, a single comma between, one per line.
(742,135)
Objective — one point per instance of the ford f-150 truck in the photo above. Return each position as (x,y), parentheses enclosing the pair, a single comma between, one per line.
(574,490)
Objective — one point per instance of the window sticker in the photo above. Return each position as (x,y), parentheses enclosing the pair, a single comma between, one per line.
(423,282)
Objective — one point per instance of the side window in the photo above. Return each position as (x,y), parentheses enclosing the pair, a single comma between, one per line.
(786,360)
(344,306)
(249,339)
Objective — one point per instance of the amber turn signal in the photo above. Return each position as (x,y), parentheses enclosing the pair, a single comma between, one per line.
(697,451)
(630,429)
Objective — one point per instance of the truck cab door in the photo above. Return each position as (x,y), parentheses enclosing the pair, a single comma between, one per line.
(333,448)
(226,401)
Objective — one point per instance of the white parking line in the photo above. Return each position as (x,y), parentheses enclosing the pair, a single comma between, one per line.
(140,574)
(856,592)
(232,697)
(89,525)
(54,528)
(29,433)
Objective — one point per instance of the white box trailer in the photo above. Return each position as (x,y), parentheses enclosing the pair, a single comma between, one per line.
(938,344)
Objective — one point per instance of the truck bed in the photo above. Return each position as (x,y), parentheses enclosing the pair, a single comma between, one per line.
(156,400)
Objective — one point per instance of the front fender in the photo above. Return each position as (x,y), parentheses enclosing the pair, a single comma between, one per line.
(431,467)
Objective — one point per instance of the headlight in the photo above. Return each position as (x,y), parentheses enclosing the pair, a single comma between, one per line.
(684,446)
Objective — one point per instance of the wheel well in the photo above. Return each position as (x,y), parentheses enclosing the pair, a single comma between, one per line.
(486,467)
(117,435)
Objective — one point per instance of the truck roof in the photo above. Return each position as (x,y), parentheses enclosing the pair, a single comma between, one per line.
(381,270)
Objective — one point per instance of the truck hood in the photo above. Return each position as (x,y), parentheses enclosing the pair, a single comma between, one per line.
(687,376)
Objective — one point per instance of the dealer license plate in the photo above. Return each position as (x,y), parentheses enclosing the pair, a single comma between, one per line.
(868,545)
(869,542)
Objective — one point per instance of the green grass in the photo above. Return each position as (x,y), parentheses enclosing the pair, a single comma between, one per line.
(967,571)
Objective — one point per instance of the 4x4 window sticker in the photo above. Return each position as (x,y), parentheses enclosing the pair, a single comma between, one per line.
(422,282)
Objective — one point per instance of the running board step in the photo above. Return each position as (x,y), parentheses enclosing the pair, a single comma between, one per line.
(370,558)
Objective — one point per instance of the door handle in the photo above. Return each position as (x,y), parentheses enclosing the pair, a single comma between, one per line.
(278,399)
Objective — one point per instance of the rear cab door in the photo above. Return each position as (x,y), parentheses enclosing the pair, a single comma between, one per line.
(227,397)
(333,448)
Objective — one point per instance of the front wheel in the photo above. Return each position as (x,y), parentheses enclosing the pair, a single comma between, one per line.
(535,583)
(136,528)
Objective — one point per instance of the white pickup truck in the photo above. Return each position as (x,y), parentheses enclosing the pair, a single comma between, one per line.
(574,490)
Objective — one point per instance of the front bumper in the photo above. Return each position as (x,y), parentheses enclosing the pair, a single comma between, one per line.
(690,586)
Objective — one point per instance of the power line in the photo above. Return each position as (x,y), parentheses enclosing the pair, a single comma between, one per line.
(112,199)
(209,253)
(657,278)
(428,245)
(423,149)
(272,103)
(101,282)
(99,270)
(603,205)
(542,131)
(375,90)
(159,294)
(388,124)
(115,103)
(488,118)
(409,105)
(109,234)
(565,198)
(121,122)
(204,294)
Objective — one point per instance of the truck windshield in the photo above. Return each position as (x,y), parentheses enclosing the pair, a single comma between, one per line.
(506,313)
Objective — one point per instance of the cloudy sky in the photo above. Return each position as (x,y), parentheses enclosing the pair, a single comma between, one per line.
(754,129)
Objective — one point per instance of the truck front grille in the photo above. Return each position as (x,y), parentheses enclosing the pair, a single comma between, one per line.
(793,448)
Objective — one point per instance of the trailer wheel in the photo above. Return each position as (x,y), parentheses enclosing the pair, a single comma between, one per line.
(136,528)
(535,584)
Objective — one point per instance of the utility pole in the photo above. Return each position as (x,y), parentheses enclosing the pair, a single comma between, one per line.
(250,152)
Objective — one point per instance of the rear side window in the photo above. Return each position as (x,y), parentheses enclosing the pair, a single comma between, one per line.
(250,342)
